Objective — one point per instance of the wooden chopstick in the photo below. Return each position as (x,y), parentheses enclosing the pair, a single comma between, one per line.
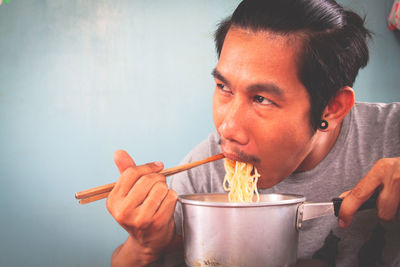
(94,198)
(100,192)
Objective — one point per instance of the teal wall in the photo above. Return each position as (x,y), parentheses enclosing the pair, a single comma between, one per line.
(380,80)
(82,78)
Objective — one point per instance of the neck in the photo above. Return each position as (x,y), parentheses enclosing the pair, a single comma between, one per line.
(322,144)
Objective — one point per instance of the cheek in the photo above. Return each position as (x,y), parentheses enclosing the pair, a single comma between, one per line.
(282,141)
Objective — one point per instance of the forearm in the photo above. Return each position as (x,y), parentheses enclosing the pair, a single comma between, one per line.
(133,254)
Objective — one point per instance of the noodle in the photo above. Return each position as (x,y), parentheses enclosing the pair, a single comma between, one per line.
(240,182)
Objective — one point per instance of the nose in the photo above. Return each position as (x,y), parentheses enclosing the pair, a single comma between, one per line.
(233,126)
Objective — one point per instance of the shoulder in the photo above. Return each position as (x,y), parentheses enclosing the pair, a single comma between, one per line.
(376,116)
(376,111)
(206,148)
(204,178)
(377,127)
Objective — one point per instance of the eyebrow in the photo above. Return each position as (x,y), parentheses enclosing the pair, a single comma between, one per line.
(216,74)
(254,88)
(267,88)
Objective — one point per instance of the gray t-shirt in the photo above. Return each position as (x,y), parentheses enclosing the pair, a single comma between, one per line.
(369,132)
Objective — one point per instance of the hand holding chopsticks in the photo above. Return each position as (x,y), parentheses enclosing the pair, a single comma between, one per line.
(101,192)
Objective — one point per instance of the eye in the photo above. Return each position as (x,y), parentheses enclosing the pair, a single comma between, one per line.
(220,86)
(262,100)
(223,88)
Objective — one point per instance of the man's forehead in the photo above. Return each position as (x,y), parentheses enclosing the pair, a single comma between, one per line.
(259,49)
(256,46)
(262,60)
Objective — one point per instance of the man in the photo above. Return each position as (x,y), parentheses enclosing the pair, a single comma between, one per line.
(283,101)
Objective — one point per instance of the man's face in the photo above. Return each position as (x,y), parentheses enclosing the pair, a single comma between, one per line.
(260,108)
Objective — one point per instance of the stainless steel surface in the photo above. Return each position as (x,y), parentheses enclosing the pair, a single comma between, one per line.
(315,210)
(220,233)
(222,200)
(309,210)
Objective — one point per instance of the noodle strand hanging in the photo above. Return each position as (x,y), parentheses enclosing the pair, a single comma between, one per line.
(241,181)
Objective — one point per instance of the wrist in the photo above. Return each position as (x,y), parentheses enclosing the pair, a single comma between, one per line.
(132,253)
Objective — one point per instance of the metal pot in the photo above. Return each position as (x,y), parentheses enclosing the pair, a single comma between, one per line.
(266,233)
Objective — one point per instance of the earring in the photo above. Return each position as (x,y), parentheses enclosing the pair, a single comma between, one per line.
(323,124)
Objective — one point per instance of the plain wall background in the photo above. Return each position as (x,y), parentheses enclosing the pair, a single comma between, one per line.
(82,78)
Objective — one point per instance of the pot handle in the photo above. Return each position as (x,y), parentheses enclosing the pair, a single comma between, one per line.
(308,211)
(369,204)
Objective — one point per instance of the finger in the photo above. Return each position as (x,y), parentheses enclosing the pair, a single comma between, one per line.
(131,175)
(123,160)
(155,197)
(167,207)
(388,202)
(164,217)
(344,194)
(141,216)
(141,189)
(357,196)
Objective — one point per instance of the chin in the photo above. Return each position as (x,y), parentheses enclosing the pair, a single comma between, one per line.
(267,178)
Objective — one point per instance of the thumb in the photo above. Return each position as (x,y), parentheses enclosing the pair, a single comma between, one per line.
(123,160)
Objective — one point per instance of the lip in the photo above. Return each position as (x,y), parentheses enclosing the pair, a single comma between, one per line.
(232,156)
(233,152)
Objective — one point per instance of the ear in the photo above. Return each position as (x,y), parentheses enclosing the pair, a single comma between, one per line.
(338,107)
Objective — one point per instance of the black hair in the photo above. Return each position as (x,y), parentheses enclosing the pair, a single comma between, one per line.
(334,41)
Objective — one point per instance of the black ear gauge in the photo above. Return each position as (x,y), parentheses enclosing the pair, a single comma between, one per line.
(323,124)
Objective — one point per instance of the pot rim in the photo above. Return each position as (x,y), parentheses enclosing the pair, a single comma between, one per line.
(221,200)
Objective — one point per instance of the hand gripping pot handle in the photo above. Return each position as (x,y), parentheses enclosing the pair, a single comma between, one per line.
(308,211)
(369,204)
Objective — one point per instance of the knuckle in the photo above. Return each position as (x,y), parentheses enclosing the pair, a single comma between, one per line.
(153,202)
(159,191)
(149,182)
(390,167)
(383,162)
(157,177)
(156,189)
(173,194)
(131,172)
(140,222)
(152,179)
(385,216)
(136,223)
(120,216)
(388,163)
(161,187)
(171,197)
(148,168)
(152,166)
(381,167)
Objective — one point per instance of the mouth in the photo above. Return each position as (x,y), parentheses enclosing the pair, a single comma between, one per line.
(238,155)
(237,158)
(234,153)
(233,156)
